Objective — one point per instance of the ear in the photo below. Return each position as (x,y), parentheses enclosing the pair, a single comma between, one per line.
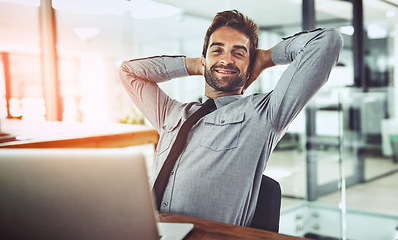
(202,60)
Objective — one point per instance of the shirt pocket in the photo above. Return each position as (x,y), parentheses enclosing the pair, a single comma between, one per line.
(169,133)
(222,132)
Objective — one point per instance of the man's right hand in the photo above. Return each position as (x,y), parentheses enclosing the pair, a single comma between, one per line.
(194,66)
(262,62)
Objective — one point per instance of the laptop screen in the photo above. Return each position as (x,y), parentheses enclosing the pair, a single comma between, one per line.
(75,194)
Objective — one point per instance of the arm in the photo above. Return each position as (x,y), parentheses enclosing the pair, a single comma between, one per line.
(140,78)
(311,56)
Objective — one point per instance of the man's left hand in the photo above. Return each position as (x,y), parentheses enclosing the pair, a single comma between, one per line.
(262,62)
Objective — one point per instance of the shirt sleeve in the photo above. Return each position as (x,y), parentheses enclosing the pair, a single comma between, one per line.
(311,56)
(140,77)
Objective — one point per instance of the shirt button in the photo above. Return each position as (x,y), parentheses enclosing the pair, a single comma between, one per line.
(171,173)
(222,121)
(165,204)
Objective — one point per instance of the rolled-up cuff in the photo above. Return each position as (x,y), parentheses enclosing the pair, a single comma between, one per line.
(278,54)
(175,66)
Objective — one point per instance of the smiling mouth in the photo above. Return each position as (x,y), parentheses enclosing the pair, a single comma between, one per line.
(225,71)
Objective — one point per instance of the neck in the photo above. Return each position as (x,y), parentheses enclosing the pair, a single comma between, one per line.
(213,94)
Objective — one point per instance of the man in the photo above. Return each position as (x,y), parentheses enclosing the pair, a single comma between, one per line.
(218,173)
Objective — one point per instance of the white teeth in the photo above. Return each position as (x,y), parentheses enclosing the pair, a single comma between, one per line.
(224,71)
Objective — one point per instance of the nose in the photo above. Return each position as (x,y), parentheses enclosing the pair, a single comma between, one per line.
(226,59)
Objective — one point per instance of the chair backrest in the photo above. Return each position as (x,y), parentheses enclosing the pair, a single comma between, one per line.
(268,207)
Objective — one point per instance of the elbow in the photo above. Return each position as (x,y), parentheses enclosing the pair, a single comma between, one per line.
(124,71)
(330,45)
(334,40)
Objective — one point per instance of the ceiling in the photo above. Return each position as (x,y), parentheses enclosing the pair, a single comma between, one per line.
(19,26)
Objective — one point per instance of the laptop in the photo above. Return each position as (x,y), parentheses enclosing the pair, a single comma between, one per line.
(78,194)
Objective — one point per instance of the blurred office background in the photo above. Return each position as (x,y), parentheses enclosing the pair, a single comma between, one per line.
(337,164)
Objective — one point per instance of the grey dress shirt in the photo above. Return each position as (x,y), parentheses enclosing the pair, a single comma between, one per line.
(218,174)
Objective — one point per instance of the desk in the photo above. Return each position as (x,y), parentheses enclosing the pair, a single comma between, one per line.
(205,229)
(76,135)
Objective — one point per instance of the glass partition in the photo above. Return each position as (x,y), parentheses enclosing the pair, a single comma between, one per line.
(380,107)
(348,139)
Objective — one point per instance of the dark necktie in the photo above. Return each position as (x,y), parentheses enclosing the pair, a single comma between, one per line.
(176,149)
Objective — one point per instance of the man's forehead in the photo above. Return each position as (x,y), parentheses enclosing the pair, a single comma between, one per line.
(227,35)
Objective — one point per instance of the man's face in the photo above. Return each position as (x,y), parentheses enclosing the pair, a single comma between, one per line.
(227,60)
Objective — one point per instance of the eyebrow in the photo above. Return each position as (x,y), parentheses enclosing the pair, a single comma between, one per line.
(222,44)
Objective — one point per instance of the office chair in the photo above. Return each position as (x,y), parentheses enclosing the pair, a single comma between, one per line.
(267,213)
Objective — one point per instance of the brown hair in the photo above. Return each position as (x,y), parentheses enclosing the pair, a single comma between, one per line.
(236,20)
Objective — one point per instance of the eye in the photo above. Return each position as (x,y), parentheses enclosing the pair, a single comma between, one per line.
(239,54)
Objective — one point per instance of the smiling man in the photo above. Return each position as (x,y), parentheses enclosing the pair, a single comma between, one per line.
(217,172)
(226,63)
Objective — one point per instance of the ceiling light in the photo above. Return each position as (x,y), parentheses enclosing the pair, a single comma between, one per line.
(146,9)
(92,7)
(139,9)
(86,34)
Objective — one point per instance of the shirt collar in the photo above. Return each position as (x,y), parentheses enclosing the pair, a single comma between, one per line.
(222,101)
